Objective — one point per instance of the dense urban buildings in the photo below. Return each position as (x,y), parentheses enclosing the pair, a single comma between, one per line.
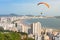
(34,30)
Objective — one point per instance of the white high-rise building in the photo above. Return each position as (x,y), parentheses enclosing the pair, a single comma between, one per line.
(36,28)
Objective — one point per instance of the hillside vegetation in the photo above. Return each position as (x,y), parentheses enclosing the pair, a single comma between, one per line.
(13,36)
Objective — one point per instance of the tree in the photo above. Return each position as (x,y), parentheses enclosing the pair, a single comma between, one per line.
(1,28)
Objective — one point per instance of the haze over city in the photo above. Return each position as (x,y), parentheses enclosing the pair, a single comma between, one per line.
(29,7)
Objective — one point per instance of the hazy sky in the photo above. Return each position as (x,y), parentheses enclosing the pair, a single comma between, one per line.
(23,7)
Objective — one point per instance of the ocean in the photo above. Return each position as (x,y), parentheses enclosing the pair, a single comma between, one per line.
(46,22)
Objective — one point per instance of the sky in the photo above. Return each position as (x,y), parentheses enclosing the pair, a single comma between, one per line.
(29,7)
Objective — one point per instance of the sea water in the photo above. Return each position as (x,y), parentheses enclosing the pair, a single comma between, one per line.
(46,22)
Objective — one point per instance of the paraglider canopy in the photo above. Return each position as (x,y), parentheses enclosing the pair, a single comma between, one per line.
(44,4)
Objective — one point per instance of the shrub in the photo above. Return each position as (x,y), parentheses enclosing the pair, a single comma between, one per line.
(30,39)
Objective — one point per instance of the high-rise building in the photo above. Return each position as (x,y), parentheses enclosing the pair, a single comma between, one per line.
(36,28)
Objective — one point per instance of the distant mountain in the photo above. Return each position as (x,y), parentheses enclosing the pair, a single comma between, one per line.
(57,16)
(9,14)
(29,15)
(12,14)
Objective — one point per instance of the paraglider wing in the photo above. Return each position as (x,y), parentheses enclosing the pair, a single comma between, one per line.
(44,4)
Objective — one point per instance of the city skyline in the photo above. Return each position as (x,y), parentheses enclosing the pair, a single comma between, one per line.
(25,7)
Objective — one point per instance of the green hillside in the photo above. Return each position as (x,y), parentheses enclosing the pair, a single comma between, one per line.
(13,36)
